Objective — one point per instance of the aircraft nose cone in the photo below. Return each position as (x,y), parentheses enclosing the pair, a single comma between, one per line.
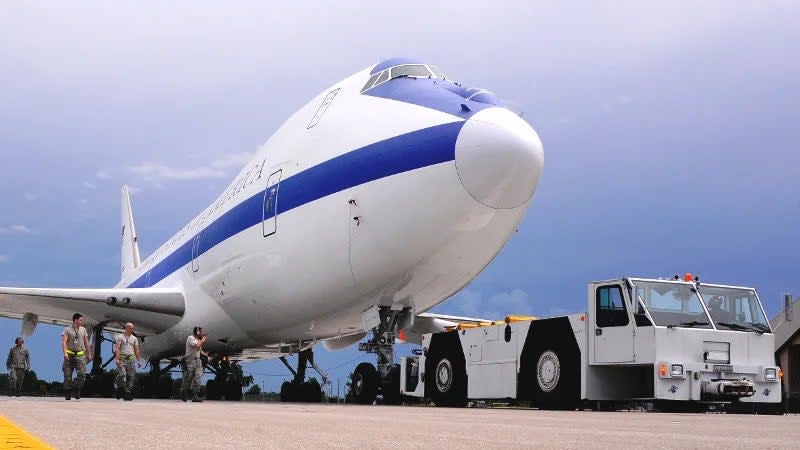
(499,158)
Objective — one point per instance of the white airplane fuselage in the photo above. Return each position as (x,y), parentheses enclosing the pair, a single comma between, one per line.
(399,195)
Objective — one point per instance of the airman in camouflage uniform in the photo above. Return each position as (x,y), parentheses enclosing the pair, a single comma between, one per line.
(193,365)
(126,349)
(76,349)
(18,363)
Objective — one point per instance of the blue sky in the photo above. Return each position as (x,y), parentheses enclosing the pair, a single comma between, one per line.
(670,133)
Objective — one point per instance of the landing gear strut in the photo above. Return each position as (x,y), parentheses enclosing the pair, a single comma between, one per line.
(368,381)
(299,390)
(158,383)
(97,358)
(99,383)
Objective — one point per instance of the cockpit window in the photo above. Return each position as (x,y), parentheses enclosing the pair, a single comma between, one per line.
(410,70)
(376,79)
(404,70)
(371,82)
(384,76)
(438,73)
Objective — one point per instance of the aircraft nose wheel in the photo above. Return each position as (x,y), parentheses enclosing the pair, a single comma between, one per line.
(390,387)
(365,384)
(369,381)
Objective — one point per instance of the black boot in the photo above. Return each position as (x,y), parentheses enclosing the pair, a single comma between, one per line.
(66,395)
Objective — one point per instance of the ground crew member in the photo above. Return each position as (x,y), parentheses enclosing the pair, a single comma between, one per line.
(76,349)
(192,365)
(18,363)
(126,349)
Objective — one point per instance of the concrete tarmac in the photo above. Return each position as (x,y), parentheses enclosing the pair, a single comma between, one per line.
(103,423)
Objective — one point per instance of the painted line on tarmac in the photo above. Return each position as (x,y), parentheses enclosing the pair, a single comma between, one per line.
(14,436)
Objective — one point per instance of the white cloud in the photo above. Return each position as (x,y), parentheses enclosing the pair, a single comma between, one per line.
(84,201)
(469,302)
(30,196)
(3,258)
(158,174)
(88,185)
(236,161)
(103,174)
(133,190)
(620,100)
(496,306)
(17,229)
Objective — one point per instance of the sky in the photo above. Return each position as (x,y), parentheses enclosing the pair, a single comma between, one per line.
(670,133)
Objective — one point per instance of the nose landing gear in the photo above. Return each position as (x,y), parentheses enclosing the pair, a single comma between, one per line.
(367,381)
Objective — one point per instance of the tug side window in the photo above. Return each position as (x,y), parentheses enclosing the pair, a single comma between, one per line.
(610,308)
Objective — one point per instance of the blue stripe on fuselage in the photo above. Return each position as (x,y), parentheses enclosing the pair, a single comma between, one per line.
(382,159)
(433,93)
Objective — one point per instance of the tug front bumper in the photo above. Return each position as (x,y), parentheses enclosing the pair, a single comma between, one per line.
(706,382)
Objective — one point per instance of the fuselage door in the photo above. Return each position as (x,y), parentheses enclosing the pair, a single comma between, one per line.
(270,216)
(196,253)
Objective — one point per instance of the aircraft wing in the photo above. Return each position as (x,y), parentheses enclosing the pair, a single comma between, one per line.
(434,323)
(152,310)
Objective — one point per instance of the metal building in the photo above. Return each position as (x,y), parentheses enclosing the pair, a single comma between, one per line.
(786,327)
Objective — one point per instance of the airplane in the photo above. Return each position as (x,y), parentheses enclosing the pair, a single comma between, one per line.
(379,199)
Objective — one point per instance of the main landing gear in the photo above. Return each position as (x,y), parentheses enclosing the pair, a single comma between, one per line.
(369,381)
(98,382)
(299,390)
(227,382)
(158,383)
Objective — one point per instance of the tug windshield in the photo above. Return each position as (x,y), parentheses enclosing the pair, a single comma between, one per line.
(734,308)
(672,304)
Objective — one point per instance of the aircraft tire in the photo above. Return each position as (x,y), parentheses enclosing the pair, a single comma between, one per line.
(213,390)
(365,384)
(390,387)
(311,392)
(290,392)
(233,391)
